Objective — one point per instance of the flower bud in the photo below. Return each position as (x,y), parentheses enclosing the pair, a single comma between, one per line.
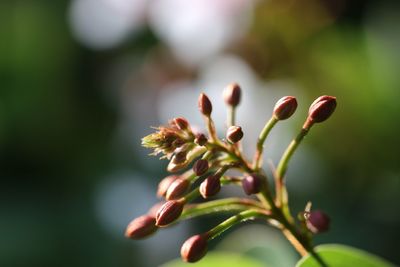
(169,212)
(322,108)
(318,222)
(164,184)
(177,189)
(194,248)
(181,123)
(232,94)
(252,184)
(205,105)
(234,134)
(200,139)
(285,107)
(154,209)
(210,186)
(200,167)
(179,157)
(141,227)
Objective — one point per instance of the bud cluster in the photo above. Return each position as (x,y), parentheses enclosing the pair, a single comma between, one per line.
(206,160)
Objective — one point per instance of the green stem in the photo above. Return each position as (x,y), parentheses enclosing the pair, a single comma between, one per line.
(236,157)
(192,195)
(281,193)
(228,223)
(231,116)
(260,143)
(220,205)
(283,163)
(211,129)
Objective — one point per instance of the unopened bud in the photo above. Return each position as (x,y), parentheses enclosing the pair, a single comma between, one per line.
(232,94)
(169,212)
(200,167)
(179,157)
(318,221)
(155,208)
(252,184)
(181,123)
(210,186)
(200,139)
(322,108)
(205,105)
(141,227)
(285,107)
(164,185)
(194,248)
(234,134)
(177,189)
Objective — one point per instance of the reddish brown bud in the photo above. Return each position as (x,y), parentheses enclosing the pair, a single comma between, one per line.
(234,134)
(252,184)
(141,227)
(177,189)
(200,139)
(194,248)
(179,157)
(200,167)
(205,105)
(164,184)
(318,222)
(169,212)
(322,108)
(232,94)
(154,209)
(210,186)
(181,123)
(285,107)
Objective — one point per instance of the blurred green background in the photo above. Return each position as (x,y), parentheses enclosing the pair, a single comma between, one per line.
(82,81)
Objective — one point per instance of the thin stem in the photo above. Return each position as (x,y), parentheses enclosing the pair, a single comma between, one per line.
(231,116)
(228,223)
(237,157)
(281,193)
(283,163)
(192,195)
(300,242)
(220,205)
(211,128)
(260,143)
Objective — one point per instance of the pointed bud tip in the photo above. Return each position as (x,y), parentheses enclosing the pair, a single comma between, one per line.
(181,123)
(194,248)
(252,184)
(204,104)
(200,167)
(210,186)
(234,134)
(169,212)
(232,94)
(285,107)
(322,108)
(177,189)
(141,227)
(200,139)
(164,184)
(318,222)
(179,157)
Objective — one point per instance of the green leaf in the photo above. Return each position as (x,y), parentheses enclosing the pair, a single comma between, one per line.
(343,256)
(219,259)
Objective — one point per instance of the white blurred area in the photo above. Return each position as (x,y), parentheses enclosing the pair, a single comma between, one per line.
(104,24)
(198,29)
(194,30)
